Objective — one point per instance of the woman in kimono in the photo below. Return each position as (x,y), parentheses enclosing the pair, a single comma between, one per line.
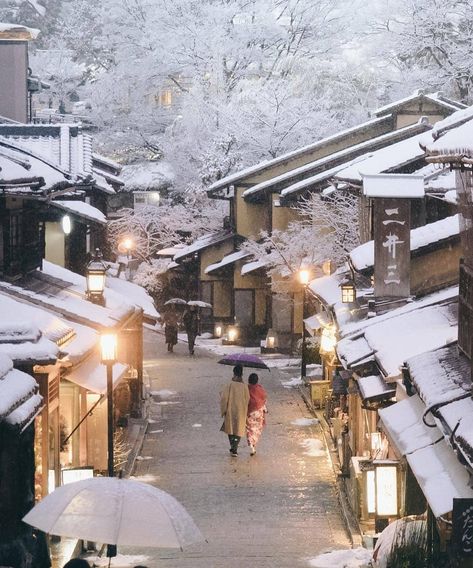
(256,419)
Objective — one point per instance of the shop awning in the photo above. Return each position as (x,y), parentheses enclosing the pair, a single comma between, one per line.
(433,462)
(226,261)
(353,351)
(252,266)
(92,375)
(23,415)
(374,388)
(441,476)
(312,324)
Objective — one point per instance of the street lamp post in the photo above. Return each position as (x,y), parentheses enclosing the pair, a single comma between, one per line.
(96,270)
(304,277)
(108,346)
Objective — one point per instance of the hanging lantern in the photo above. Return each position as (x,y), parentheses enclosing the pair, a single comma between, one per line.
(96,270)
(232,333)
(304,276)
(66,224)
(348,291)
(218,330)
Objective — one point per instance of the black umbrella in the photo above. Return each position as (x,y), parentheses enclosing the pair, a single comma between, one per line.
(245,360)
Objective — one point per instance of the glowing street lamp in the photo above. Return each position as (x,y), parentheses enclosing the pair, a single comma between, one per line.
(95,276)
(126,246)
(232,333)
(348,290)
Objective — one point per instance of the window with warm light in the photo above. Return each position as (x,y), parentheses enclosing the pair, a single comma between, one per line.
(232,333)
(218,330)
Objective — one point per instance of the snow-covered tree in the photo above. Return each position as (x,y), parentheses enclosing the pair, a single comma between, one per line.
(328,230)
(156,227)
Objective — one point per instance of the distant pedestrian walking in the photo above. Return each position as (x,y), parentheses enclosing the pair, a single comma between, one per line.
(191,324)
(257,410)
(170,329)
(234,400)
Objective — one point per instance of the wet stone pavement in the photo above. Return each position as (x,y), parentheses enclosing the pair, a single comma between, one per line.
(278,508)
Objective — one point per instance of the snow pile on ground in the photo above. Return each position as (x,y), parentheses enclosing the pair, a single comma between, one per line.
(292,383)
(353,558)
(146,478)
(121,561)
(314,447)
(305,422)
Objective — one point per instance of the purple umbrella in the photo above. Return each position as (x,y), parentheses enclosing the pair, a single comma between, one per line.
(244,359)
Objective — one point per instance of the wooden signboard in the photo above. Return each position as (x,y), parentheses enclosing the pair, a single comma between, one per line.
(392,247)
(462,537)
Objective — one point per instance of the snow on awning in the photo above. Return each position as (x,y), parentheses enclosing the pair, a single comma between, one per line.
(403,424)
(92,375)
(353,351)
(81,209)
(203,243)
(362,257)
(433,462)
(252,266)
(170,251)
(16,387)
(327,288)
(26,412)
(374,388)
(226,261)
(441,476)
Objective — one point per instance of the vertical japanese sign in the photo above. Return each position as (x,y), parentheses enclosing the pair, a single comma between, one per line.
(463,526)
(392,247)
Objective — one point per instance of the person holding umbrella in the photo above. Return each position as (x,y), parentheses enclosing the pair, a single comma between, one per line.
(170,328)
(256,412)
(191,323)
(234,400)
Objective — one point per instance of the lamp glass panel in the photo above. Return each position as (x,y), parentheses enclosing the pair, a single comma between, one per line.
(348,294)
(386,491)
(370,491)
(232,333)
(108,347)
(66,224)
(270,341)
(304,276)
(96,282)
(218,331)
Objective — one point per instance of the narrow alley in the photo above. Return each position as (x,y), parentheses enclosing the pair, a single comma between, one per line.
(276,509)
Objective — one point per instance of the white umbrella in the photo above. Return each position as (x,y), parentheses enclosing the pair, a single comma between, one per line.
(199,303)
(115,511)
(178,301)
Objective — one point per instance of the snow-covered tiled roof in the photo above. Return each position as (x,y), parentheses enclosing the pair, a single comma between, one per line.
(203,242)
(268,164)
(252,266)
(419,96)
(226,261)
(81,209)
(326,167)
(456,145)
(434,463)
(362,257)
(386,159)
(64,292)
(442,377)
(23,32)
(413,332)
(147,176)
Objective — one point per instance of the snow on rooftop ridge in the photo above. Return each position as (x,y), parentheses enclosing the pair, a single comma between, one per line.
(419,93)
(326,160)
(203,242)
(362,257)
(146,176)
(390,157)
(226,260)
(15,388)
(265,164)
(82,209)
(456,142)
(32,32)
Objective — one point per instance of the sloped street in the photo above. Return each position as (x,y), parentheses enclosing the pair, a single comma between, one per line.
(276,509)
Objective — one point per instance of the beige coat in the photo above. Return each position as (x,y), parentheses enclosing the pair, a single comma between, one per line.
(234,400)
